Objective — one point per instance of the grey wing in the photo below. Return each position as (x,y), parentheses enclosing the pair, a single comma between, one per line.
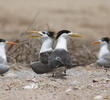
(44,57)
(67,60)
(2,61)
(39,67)
(107,57)
(3,68)
(59,58)
(105,61)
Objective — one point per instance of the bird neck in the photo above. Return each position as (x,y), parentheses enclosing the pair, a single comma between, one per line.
(61,43)
(103,50)
(2,52)
(47,45)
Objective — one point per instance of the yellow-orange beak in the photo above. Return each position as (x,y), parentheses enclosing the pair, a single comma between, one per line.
(36,32)
(76,35)
(34,35)
(12,43)
(33,31)
(96,42)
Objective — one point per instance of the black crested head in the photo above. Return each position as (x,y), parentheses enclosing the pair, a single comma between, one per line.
(49,33)
(2,40)
(61,32)
(106,39)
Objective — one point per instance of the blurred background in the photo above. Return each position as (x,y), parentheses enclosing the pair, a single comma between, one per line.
(89,17)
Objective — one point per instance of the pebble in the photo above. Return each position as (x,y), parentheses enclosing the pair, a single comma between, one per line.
(68,90)
(98,97)
(31,86)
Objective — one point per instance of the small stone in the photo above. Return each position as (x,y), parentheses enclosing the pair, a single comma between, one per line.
(90,86)
(68,91)
(77,88)
(31,86)
(98,97)
(107,80)
(94,81)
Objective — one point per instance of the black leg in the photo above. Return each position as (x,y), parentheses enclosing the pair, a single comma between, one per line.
(105,69)
(65,72)
(53,75)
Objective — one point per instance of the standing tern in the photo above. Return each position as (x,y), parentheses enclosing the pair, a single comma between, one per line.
(47,38)
(3,59)
(104,53)
(60,57)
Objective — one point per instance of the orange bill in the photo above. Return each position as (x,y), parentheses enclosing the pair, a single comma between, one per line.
(11,43)
(33,31)
(96,42)
(76,35)
(39,35)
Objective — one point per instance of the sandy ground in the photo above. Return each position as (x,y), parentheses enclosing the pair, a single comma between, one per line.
(79,84)
(89,17)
